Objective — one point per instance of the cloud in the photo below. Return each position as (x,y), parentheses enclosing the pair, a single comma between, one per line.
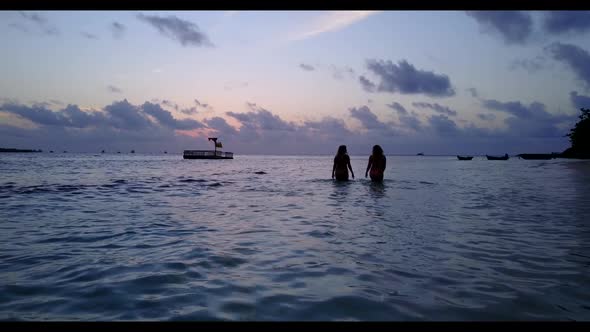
(169,104)
(221,126)
(368,119)
(118,29)
(332,21)
(261,118)
(148,127)
(570,21)
(114,89)
(532,120)
(579,101)
(437,108)
(88,35)
(530,65)
(37,20)
(575,57)
(124,115)
(514,27)
(406,79)
(200,104)
(306,67)
(473,92)
(398,108)
(187,33)
(189,111)
(340,72)
(165,118)
(443,125)
(486,116)
(367,85)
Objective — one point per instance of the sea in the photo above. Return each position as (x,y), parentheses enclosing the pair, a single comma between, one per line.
(154,237)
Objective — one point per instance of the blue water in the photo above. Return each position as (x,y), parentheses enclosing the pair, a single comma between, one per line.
(156,237)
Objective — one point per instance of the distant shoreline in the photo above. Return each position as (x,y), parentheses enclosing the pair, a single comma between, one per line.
(18,150)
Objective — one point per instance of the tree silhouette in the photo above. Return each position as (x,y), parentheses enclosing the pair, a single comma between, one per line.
(580,134)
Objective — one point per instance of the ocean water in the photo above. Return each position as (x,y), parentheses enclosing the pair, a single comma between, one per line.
(156,237)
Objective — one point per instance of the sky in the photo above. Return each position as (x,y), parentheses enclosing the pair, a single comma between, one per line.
(293,82)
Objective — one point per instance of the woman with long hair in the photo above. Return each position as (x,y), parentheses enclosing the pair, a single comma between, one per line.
(341,162)
(376,165)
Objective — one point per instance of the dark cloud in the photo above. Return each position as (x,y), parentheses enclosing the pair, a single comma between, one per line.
(187,33)
(437,108)
(306,67)
(570,21)
(189,111)
(473,92)
(37,20)
(37,114)
(203,105)
(221,126)
(486,116)
(516,108)
(366,84)
(124,115)
(89,35)
(532,120)
(328,127)
(263,119)
(443,125)
(398,108)
(366,117)
(410,121)
(406,79)
(575,57)
(530,65)
(170,104)
(165,118)
(118,29)
(114,89)
(150,128)
(515,27)
(579,101)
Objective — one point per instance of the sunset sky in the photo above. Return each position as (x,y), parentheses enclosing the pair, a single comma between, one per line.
(278,82)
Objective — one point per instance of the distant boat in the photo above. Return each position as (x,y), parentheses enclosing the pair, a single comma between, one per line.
(132,151)
(420,154)
(65,151)
(208,154)
(118,151)
(102,151)
(537,156)
(504,157)
(51,151)
(464,157)
(165,151)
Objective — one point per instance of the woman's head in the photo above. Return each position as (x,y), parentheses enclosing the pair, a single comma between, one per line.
(342,149)
(377,150)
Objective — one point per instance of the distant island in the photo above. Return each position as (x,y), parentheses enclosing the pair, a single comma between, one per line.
(18,150)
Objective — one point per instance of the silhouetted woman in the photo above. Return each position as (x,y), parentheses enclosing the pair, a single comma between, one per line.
(341,162)
(376,164)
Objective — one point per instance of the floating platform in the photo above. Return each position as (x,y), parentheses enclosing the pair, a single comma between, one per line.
(207,154)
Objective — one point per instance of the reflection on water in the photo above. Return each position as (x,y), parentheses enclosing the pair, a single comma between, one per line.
(109,237)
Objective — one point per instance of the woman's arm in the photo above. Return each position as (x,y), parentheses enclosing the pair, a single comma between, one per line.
(384,162)
(334,168)
(369,165)
(350,167)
